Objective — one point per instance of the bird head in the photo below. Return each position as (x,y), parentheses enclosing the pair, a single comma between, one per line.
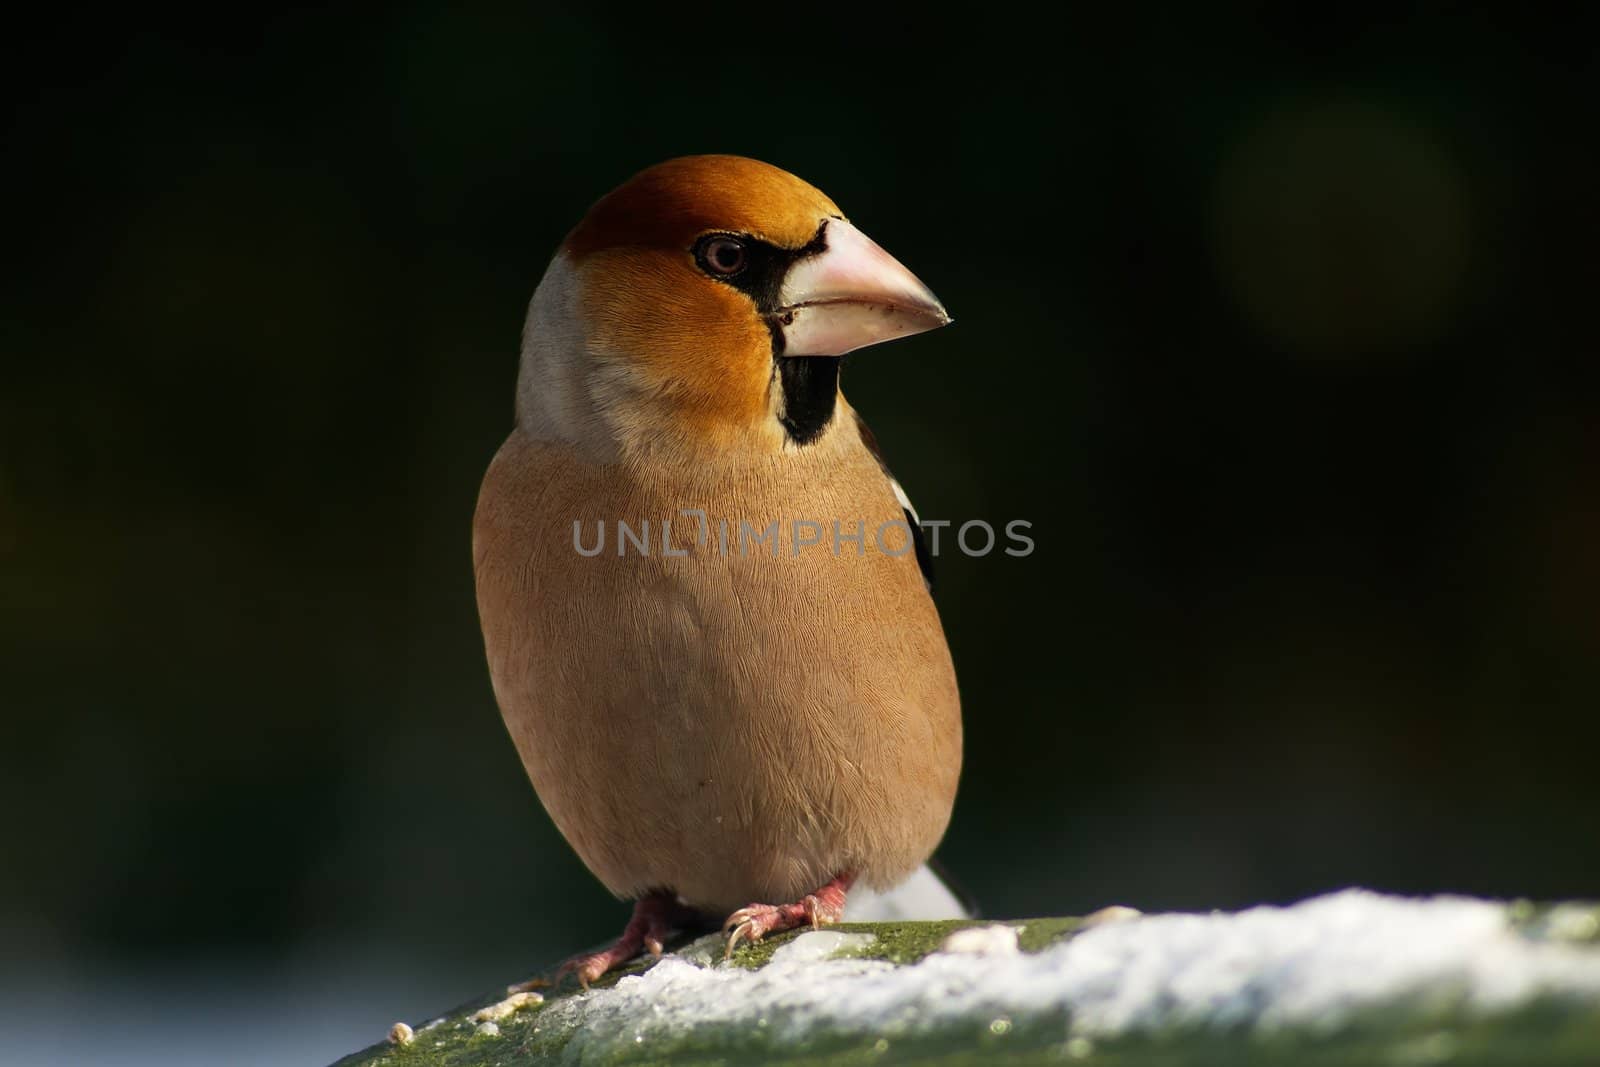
(705,304)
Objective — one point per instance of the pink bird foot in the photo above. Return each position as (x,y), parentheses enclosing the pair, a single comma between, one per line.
(755,921)
(655,918)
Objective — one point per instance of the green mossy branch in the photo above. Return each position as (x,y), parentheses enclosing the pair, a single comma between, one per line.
(1542,1033)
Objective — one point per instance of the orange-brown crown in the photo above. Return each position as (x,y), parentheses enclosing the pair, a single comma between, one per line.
(672,203)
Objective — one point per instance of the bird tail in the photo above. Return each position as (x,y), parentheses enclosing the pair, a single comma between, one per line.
(930,893)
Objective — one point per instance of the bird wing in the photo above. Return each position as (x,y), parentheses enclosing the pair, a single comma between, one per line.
(918,539)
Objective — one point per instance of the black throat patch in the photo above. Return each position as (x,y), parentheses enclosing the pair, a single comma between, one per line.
(810,387)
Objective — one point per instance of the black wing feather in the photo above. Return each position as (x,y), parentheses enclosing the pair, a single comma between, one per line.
(919,540)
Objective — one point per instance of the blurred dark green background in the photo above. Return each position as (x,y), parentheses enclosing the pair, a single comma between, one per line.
(1281,333)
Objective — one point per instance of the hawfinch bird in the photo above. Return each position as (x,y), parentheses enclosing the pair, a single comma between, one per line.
(702,594)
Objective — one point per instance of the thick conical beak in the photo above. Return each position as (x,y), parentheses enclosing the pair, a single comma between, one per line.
(851,295)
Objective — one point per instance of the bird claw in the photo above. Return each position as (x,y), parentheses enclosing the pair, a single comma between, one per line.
(591,965)
(745,931)
(755,921)
(744,915)
(752,923)
(585,968)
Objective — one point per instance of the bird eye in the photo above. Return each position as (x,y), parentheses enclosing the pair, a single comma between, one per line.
(723,256)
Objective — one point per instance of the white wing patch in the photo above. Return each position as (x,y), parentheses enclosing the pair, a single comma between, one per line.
(905,501)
